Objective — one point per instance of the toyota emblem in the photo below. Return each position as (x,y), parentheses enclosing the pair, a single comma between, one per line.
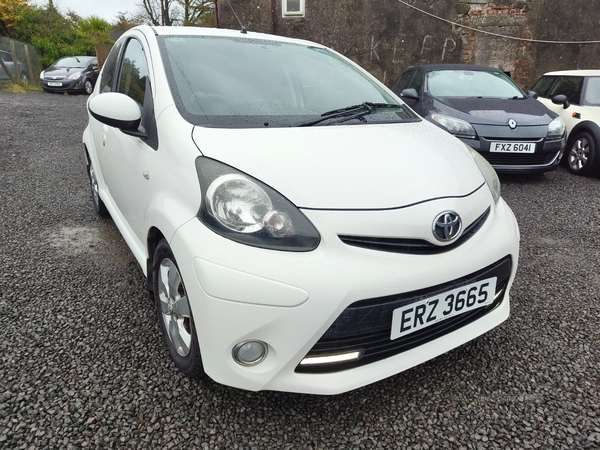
(512,123)
(447,226)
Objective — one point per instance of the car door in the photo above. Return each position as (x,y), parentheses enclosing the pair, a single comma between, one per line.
(125,159)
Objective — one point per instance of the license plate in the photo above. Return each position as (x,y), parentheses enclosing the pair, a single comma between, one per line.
(54,83)
(429,311)
(512,147)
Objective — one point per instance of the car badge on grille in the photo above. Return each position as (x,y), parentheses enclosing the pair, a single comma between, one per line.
(447,226)
(512,123)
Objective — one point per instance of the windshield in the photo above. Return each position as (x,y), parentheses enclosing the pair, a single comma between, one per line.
(472,83)
(592,91)
(76,62)
(242,82)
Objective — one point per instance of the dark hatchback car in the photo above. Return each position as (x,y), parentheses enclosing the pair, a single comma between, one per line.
(484,108)
(72,74)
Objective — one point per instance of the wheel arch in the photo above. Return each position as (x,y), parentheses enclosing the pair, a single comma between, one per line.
(152,240)
(587,125)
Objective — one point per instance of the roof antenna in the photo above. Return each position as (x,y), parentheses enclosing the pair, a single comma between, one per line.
(244,31)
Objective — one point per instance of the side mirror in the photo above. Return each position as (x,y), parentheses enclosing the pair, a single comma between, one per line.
(532,94)
(117,110)
(410,93)
(561,99)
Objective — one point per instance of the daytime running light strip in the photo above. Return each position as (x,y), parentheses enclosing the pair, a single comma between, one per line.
(496,34)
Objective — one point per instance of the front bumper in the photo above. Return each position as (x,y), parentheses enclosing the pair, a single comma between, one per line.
(65,85)
(289,300)
(547,154)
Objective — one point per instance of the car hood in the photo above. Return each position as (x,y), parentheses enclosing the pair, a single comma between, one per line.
(61,71)
(485,111)
(349,166)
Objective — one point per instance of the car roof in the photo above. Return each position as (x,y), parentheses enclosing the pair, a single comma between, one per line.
(432,67)
(575,73)
(220,32)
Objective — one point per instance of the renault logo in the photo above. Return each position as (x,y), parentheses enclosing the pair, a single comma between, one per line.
(512,123)
(447,226)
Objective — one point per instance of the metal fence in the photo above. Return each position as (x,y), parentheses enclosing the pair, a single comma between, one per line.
(18,61)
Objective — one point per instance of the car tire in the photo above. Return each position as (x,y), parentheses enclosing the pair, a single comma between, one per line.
(174,313)
(582,154)
(88,87)
(98,203)
(24,78)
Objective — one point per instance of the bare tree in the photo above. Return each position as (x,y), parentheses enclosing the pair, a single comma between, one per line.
(197,12)
(177,12)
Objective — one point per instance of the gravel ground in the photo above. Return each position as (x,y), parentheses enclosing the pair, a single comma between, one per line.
(83,364)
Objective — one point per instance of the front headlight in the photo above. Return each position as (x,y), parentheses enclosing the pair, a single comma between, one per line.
(457,127)
(75,76)
(556,129)
(489,174)
(245,210)
(42,75)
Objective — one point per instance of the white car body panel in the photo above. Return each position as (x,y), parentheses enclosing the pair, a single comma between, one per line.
(388,180)
(326,168)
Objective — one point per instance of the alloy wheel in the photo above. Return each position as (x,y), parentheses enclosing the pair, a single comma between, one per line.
(94,183)
(175,307)
(579,154)
(88,87)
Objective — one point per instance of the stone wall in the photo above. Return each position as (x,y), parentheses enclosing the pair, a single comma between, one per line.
(387,36)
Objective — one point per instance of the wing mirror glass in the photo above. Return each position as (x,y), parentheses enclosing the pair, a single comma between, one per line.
(410,93)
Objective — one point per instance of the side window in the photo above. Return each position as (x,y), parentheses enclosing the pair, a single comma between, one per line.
(592,91)
(6,57)
(133,72)
(417,82)
(109,69)
(405,80)
(569,86)
(543,85)
(292,8)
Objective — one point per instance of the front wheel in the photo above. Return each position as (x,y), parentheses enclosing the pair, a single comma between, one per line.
(88,87)
(174,313)
(582,155)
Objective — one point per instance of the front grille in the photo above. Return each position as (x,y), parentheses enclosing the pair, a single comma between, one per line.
(414,246)
(517,159)
(366,325)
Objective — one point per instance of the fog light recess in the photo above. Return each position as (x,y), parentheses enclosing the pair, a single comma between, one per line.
(249,353)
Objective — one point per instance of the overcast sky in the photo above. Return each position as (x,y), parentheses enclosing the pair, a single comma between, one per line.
(106,9)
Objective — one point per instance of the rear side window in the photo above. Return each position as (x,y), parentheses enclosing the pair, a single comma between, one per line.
(543,85)
(569,86)
(592,92)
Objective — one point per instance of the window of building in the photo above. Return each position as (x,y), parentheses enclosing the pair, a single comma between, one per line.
(293,8)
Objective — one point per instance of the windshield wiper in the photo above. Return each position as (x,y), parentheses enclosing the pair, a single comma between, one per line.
(349,113)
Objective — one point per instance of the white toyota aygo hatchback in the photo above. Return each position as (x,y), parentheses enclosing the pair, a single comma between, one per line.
(300,227)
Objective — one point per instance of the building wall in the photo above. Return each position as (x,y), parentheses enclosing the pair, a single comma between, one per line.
(386,36)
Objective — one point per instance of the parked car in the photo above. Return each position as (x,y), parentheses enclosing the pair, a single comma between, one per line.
(484,108)
(72,74)
(7,58)
(575,96)
(301,229)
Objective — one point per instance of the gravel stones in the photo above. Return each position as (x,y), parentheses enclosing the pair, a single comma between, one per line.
(82,364)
